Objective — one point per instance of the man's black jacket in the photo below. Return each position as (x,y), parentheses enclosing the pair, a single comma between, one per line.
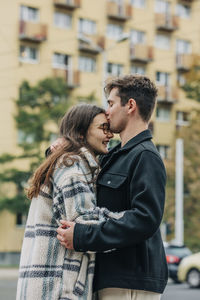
(133,179)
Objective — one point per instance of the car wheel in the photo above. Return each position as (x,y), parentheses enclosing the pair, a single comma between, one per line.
(193,278)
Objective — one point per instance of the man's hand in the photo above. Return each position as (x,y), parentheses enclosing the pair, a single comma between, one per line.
(66,234)
(57,144)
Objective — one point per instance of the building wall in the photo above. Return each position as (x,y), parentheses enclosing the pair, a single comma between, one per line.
(65,41)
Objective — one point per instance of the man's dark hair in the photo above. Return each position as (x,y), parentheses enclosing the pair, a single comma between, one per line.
(138,87)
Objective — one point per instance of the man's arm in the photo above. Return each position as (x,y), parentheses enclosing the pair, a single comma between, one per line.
(147,196)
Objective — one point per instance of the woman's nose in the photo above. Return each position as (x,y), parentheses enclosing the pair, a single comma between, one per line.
(110,135)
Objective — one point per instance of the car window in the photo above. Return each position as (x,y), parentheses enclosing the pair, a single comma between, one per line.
(178,251)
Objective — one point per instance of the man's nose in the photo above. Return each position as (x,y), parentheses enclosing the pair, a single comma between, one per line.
(107,111)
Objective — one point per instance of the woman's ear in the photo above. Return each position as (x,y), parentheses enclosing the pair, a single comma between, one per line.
(81,137)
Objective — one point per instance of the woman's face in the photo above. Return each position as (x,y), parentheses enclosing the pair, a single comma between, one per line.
(98,134)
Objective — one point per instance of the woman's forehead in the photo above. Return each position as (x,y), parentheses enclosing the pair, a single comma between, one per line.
(99,119)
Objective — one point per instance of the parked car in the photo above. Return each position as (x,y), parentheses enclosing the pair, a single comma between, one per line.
(189,270)
(174,255)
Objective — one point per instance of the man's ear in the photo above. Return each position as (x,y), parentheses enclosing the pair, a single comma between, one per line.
(131,105)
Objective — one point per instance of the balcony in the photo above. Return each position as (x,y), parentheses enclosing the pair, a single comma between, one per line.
(141,53)
(32,32)
(167,94)
(184,62)
(119,12)
(91,44)
(67,4)
(166,22)
(72,77)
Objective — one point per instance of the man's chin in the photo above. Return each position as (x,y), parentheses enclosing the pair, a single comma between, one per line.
(115,131)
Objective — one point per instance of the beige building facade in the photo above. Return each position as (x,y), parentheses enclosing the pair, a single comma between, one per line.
(85,41)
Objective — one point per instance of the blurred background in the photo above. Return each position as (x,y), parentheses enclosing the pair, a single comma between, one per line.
(56,53)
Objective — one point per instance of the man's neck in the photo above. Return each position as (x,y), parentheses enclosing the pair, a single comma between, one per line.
(131,130)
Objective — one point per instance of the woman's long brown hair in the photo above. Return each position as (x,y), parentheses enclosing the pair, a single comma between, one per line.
(73,128)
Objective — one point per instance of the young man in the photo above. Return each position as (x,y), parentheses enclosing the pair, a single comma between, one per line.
(132,179)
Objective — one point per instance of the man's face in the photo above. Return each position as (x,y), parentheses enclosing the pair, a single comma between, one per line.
(116,114)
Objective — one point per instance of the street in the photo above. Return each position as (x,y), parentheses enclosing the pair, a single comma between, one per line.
(8,289)
(180,292)
(172,292)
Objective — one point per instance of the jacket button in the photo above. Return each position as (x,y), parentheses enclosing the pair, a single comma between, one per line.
(109,182)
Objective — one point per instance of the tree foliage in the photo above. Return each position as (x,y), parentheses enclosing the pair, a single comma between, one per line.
(191,137)
(38,110)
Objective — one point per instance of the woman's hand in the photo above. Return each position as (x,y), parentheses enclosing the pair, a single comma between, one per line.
(57,144)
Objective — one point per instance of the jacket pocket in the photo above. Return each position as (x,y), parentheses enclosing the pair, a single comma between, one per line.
(112,180)
(112,192)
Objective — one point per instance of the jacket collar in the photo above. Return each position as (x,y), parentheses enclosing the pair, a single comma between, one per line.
(89,158)
(139,138)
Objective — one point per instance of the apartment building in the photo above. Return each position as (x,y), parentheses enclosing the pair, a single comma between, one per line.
(85,41)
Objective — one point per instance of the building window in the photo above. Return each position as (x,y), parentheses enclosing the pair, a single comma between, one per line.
(182,118)
(164,151)
(183,11)
(62,20)
(181,79)
(183,47)
(87,26)
(162,7)
(29,14)
(162,78)
(162,42)
(138,70)
(20,219)
(139,3)
(114,69)
(163,114)
(87,64)
(29,54)
(138,37)
(60,61)
(114,31)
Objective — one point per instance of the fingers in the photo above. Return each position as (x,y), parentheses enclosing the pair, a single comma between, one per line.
(57,144)
(61,231)
(60,238)
(64,243)
(66,223)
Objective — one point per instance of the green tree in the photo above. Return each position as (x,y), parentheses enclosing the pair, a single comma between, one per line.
(191,137)
(38,110)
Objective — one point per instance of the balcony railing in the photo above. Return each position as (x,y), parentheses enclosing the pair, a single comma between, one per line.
(184,62)
(34,32)
(167,94)
(68,4)
(180,123)
(92,44)
(141,53)
(72,77)
(121,12)
(166,22)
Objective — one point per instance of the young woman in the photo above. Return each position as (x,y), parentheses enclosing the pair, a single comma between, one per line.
(63,187)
